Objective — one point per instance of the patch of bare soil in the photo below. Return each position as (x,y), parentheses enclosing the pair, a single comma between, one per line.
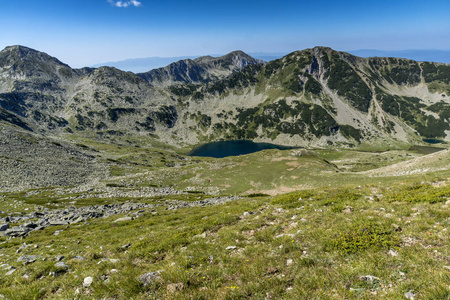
(282,189)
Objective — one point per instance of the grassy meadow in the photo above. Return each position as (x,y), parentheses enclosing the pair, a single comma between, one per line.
(326,224)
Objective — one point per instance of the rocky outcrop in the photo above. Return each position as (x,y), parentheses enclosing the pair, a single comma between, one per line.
(41,219)
(200,70)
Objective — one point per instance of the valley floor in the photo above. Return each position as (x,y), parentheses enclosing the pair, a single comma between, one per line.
(277,224)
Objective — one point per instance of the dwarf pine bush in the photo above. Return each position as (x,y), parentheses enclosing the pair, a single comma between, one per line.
(362,235)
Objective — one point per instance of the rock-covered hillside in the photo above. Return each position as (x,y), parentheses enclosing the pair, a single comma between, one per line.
(314,97)
(200,70)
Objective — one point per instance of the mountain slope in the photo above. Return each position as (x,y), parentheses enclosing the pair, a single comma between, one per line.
(314,97)
(327,97)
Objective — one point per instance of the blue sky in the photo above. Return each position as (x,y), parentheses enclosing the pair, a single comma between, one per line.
(86,32)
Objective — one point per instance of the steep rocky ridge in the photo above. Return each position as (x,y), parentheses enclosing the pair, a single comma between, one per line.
(313,97)
(200,70)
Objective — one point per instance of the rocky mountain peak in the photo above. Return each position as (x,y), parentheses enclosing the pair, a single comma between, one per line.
(23,62)
(18,48)
(16,52)
(200,70)
(236,59)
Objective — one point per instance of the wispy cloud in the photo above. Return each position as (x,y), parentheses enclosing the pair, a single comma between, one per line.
(125,3)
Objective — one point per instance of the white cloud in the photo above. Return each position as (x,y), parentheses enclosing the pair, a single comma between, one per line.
(125,3)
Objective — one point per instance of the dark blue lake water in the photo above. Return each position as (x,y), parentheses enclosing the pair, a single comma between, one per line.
(232,148)
(433,141)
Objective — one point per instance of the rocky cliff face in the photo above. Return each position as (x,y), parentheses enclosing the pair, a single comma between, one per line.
(314,97)
(200,70)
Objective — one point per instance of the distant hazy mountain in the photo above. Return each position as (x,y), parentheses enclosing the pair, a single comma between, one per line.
(141,65)
(442,56)
(145,64)
(268,56)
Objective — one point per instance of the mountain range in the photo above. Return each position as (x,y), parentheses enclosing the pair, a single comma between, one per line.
(316,97)
(144,64)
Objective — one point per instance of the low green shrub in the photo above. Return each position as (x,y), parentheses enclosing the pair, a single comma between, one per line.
(419,193)
(254,195)
(339,196)
(362,235)
(292,200)
(329,197)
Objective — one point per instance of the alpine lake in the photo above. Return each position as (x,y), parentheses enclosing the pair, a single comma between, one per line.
(233,148)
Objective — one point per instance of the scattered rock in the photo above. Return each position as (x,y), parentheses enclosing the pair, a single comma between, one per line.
(57,232)
(61,266)
(59,257)
(200,236)
(396,227)
(10,272)
(392,253)
(21,248)
(289,262)
(231,248)
(28,259)
(77,257)
(123,219)
(410,295)
(6,267)
(148,278)
(369,278)
(104,277)
(283,234)
(58,222)
(87,282)
(126,246)
(271,271)
(348,210)
(3,227)
(175,287)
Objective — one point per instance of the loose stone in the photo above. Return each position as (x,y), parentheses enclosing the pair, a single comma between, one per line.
(87,282)
(148,278)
